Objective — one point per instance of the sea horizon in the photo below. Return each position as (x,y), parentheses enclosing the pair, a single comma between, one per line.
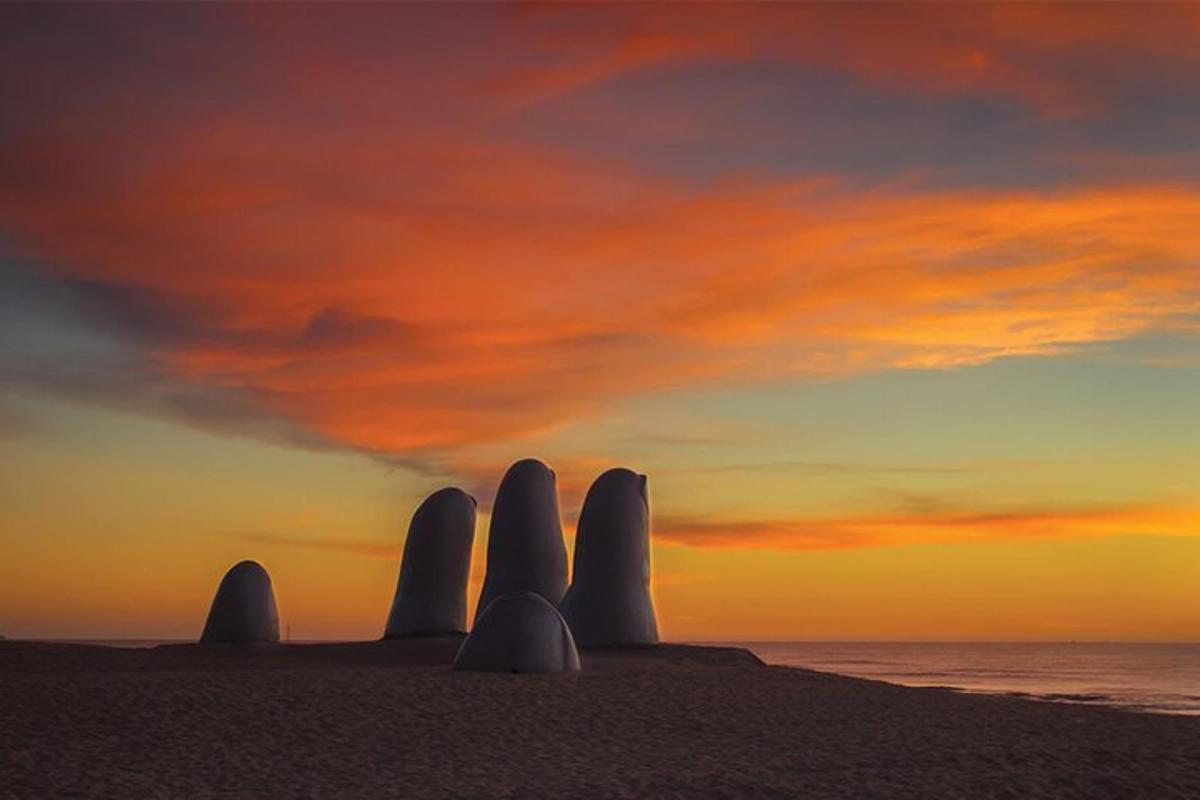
(1149,677)
(1152,677)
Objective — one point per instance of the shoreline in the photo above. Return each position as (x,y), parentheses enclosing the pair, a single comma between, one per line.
(388,718)
(1091,696)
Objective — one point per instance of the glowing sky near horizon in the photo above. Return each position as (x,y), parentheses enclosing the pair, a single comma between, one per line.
(897,305)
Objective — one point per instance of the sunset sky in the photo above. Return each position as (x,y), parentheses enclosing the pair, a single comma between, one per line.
(898,307)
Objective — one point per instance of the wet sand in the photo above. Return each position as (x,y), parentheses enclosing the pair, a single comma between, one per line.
(388,719)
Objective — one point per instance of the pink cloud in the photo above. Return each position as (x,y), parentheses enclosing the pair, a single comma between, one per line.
(877,530)
(338,239)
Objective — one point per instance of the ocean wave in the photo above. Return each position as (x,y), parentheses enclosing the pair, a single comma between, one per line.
(1138,677)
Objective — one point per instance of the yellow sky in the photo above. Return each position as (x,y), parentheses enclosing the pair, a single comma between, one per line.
(119,527)
(899,311)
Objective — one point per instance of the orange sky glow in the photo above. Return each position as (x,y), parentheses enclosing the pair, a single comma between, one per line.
(897,305)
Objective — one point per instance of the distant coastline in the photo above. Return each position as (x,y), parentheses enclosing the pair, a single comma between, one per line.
(1152,677)
(1156,677)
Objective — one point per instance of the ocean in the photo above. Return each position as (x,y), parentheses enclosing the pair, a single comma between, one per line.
(1162,678)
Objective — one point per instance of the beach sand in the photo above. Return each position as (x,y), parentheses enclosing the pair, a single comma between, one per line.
(389,719)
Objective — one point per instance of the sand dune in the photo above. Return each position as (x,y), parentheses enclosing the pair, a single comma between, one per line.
(389,719)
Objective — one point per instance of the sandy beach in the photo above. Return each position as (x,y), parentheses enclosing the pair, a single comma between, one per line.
(389,719)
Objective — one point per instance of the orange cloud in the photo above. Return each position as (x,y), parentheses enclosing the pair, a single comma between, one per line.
(486,298)
(876,530)
(1043,54)
(383,272)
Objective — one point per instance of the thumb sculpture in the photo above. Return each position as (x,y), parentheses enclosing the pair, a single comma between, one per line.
(525,543)
(243,609)
(519,632)
(609,599)
(431,592)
